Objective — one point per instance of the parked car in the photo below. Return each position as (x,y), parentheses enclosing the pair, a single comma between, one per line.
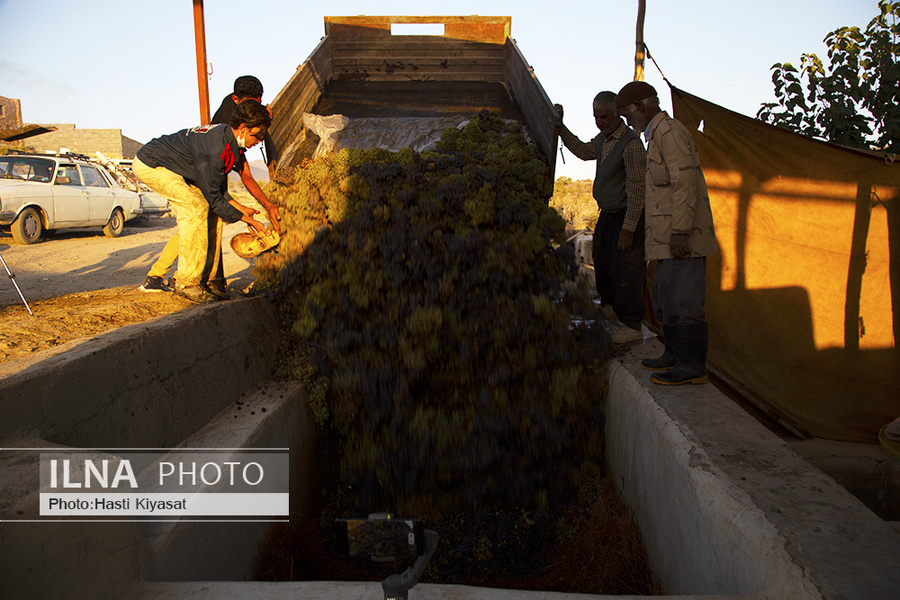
(152,204)
(43,193)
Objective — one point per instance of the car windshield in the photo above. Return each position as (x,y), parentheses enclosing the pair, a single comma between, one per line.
(27,168)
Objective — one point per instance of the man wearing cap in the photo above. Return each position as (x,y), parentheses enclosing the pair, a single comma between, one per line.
(618,245)
(679,235)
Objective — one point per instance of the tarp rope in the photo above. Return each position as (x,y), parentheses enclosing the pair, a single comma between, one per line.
(655,64)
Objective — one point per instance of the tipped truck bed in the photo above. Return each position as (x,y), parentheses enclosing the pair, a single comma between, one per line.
(360,69)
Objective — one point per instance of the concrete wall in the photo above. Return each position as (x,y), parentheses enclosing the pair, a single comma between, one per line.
(193,551)
(172,381)
(863,469)
(101,560)
(726,507)
(146,385)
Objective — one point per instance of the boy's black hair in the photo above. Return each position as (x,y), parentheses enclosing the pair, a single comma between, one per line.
(253,114)
(248,86)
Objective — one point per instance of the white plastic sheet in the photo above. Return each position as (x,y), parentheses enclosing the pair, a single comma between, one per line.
(419,133)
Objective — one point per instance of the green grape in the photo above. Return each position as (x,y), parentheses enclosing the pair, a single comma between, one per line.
(427,285)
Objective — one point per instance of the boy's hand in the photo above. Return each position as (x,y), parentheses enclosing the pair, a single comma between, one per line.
(274,217)
(254,224)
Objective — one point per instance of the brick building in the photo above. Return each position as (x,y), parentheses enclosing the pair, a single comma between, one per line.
(110,142)
(10,113)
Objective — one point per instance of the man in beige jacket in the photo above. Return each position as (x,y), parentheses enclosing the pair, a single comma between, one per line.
(679,235)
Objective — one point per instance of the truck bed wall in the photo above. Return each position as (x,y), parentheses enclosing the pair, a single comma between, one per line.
(453,72)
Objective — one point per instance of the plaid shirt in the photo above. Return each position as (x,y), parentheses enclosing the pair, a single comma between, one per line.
(634,158)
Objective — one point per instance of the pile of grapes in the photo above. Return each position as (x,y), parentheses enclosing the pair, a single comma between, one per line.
(422,297)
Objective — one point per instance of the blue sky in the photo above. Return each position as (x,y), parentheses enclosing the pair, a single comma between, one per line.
(131,65)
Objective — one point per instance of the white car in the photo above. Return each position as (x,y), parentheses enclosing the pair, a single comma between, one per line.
(152,204)
(41,193)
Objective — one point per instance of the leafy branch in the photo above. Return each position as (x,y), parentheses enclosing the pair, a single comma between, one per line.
(854,100)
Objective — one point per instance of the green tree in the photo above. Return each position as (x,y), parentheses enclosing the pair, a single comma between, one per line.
(855,100)
(574,201)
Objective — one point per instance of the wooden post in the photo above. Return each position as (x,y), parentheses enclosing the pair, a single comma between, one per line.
(639,43)
(200,42)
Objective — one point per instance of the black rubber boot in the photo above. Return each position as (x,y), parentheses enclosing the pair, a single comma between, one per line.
(667,359)
(690,363)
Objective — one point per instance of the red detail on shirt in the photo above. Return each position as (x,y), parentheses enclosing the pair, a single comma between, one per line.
(228,158)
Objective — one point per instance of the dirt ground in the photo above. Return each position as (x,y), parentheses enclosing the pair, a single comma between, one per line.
(79,283)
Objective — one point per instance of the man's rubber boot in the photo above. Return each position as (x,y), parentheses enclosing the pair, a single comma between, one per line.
(667,360)
(690,364)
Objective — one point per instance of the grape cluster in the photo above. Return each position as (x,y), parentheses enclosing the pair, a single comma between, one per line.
(422,292)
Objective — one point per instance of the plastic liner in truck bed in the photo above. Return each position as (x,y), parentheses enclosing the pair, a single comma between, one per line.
(361,69)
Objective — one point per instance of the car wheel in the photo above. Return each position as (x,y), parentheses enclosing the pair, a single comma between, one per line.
(27,228)
(116,224)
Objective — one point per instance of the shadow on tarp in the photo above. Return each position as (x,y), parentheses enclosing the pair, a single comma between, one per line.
(800,298)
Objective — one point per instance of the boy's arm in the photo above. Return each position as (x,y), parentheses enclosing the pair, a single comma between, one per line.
(247,215)
(255,191)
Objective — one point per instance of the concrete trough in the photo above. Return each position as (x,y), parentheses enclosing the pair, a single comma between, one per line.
(148,385)
(726,508)
(195,379)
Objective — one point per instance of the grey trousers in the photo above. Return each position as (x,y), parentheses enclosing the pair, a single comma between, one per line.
(679,290)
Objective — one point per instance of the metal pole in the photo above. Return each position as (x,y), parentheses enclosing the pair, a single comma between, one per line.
(639,43)
(200,42)
(16,285)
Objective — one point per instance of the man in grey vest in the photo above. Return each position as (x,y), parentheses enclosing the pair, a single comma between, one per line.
(618,252)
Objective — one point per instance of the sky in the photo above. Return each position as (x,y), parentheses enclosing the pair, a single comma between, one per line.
(130,65)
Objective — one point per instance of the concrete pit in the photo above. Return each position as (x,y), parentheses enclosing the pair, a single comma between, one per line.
(727,509)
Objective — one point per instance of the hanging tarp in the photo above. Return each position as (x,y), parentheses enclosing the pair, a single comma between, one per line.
(800,299)
(24,132)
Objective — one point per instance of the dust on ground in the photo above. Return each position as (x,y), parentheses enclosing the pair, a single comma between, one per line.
(74,316)
(79,284)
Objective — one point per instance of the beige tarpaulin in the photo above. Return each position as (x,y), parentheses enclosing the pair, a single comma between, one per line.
(801,297)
